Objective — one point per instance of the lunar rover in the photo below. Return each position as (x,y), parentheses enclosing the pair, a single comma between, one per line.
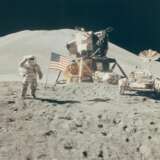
(139,81)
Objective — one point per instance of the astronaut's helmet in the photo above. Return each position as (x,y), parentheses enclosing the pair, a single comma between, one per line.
(31,60)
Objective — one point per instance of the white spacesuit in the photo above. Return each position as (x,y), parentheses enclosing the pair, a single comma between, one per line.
(29,70)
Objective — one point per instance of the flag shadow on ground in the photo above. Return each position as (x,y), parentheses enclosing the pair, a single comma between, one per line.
(99,100)
(57,101)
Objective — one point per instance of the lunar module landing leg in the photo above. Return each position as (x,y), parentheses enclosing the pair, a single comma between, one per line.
(106,64)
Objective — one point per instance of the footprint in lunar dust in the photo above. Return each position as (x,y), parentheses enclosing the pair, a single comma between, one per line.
(125,127)
(127,140)
(68,146)
(11,102)
(152,123)
(85,154)
(29,157)
(49,133)
(100,155)
(99,116)
(100,125)
(41,157)
(104,133)
(10,120)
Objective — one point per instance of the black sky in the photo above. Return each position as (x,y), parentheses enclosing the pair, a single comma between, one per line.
(136,23)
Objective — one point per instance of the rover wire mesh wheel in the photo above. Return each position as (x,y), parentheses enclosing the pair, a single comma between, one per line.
(156,87)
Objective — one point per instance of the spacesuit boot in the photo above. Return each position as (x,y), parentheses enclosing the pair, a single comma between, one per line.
(24,90)
(33,93)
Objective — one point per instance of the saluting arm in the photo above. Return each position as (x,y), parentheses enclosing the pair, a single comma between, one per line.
(22,63)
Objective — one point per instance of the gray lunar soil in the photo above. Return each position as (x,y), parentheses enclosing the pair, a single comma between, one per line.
(78,122)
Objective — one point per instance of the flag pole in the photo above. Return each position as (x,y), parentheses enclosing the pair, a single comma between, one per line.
(45,85)
(57,78)
(80,69)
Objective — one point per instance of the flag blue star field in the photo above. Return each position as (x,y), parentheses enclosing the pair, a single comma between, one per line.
(59,62)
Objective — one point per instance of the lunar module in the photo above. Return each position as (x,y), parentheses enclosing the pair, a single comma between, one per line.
(90,51)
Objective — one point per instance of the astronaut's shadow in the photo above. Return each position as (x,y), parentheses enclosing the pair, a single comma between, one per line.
(57,101)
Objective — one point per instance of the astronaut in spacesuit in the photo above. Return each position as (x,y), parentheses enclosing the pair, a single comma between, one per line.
(29,70)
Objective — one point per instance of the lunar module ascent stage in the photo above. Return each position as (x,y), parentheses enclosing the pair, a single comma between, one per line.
(90,52)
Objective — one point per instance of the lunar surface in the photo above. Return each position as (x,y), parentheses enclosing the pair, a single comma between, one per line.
(87,121)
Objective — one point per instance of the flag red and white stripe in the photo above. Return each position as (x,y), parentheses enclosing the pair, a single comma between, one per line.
(59,62)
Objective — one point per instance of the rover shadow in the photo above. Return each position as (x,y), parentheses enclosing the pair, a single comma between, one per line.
(147,94)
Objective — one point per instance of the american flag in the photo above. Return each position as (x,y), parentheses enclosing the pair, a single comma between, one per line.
(59,62)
